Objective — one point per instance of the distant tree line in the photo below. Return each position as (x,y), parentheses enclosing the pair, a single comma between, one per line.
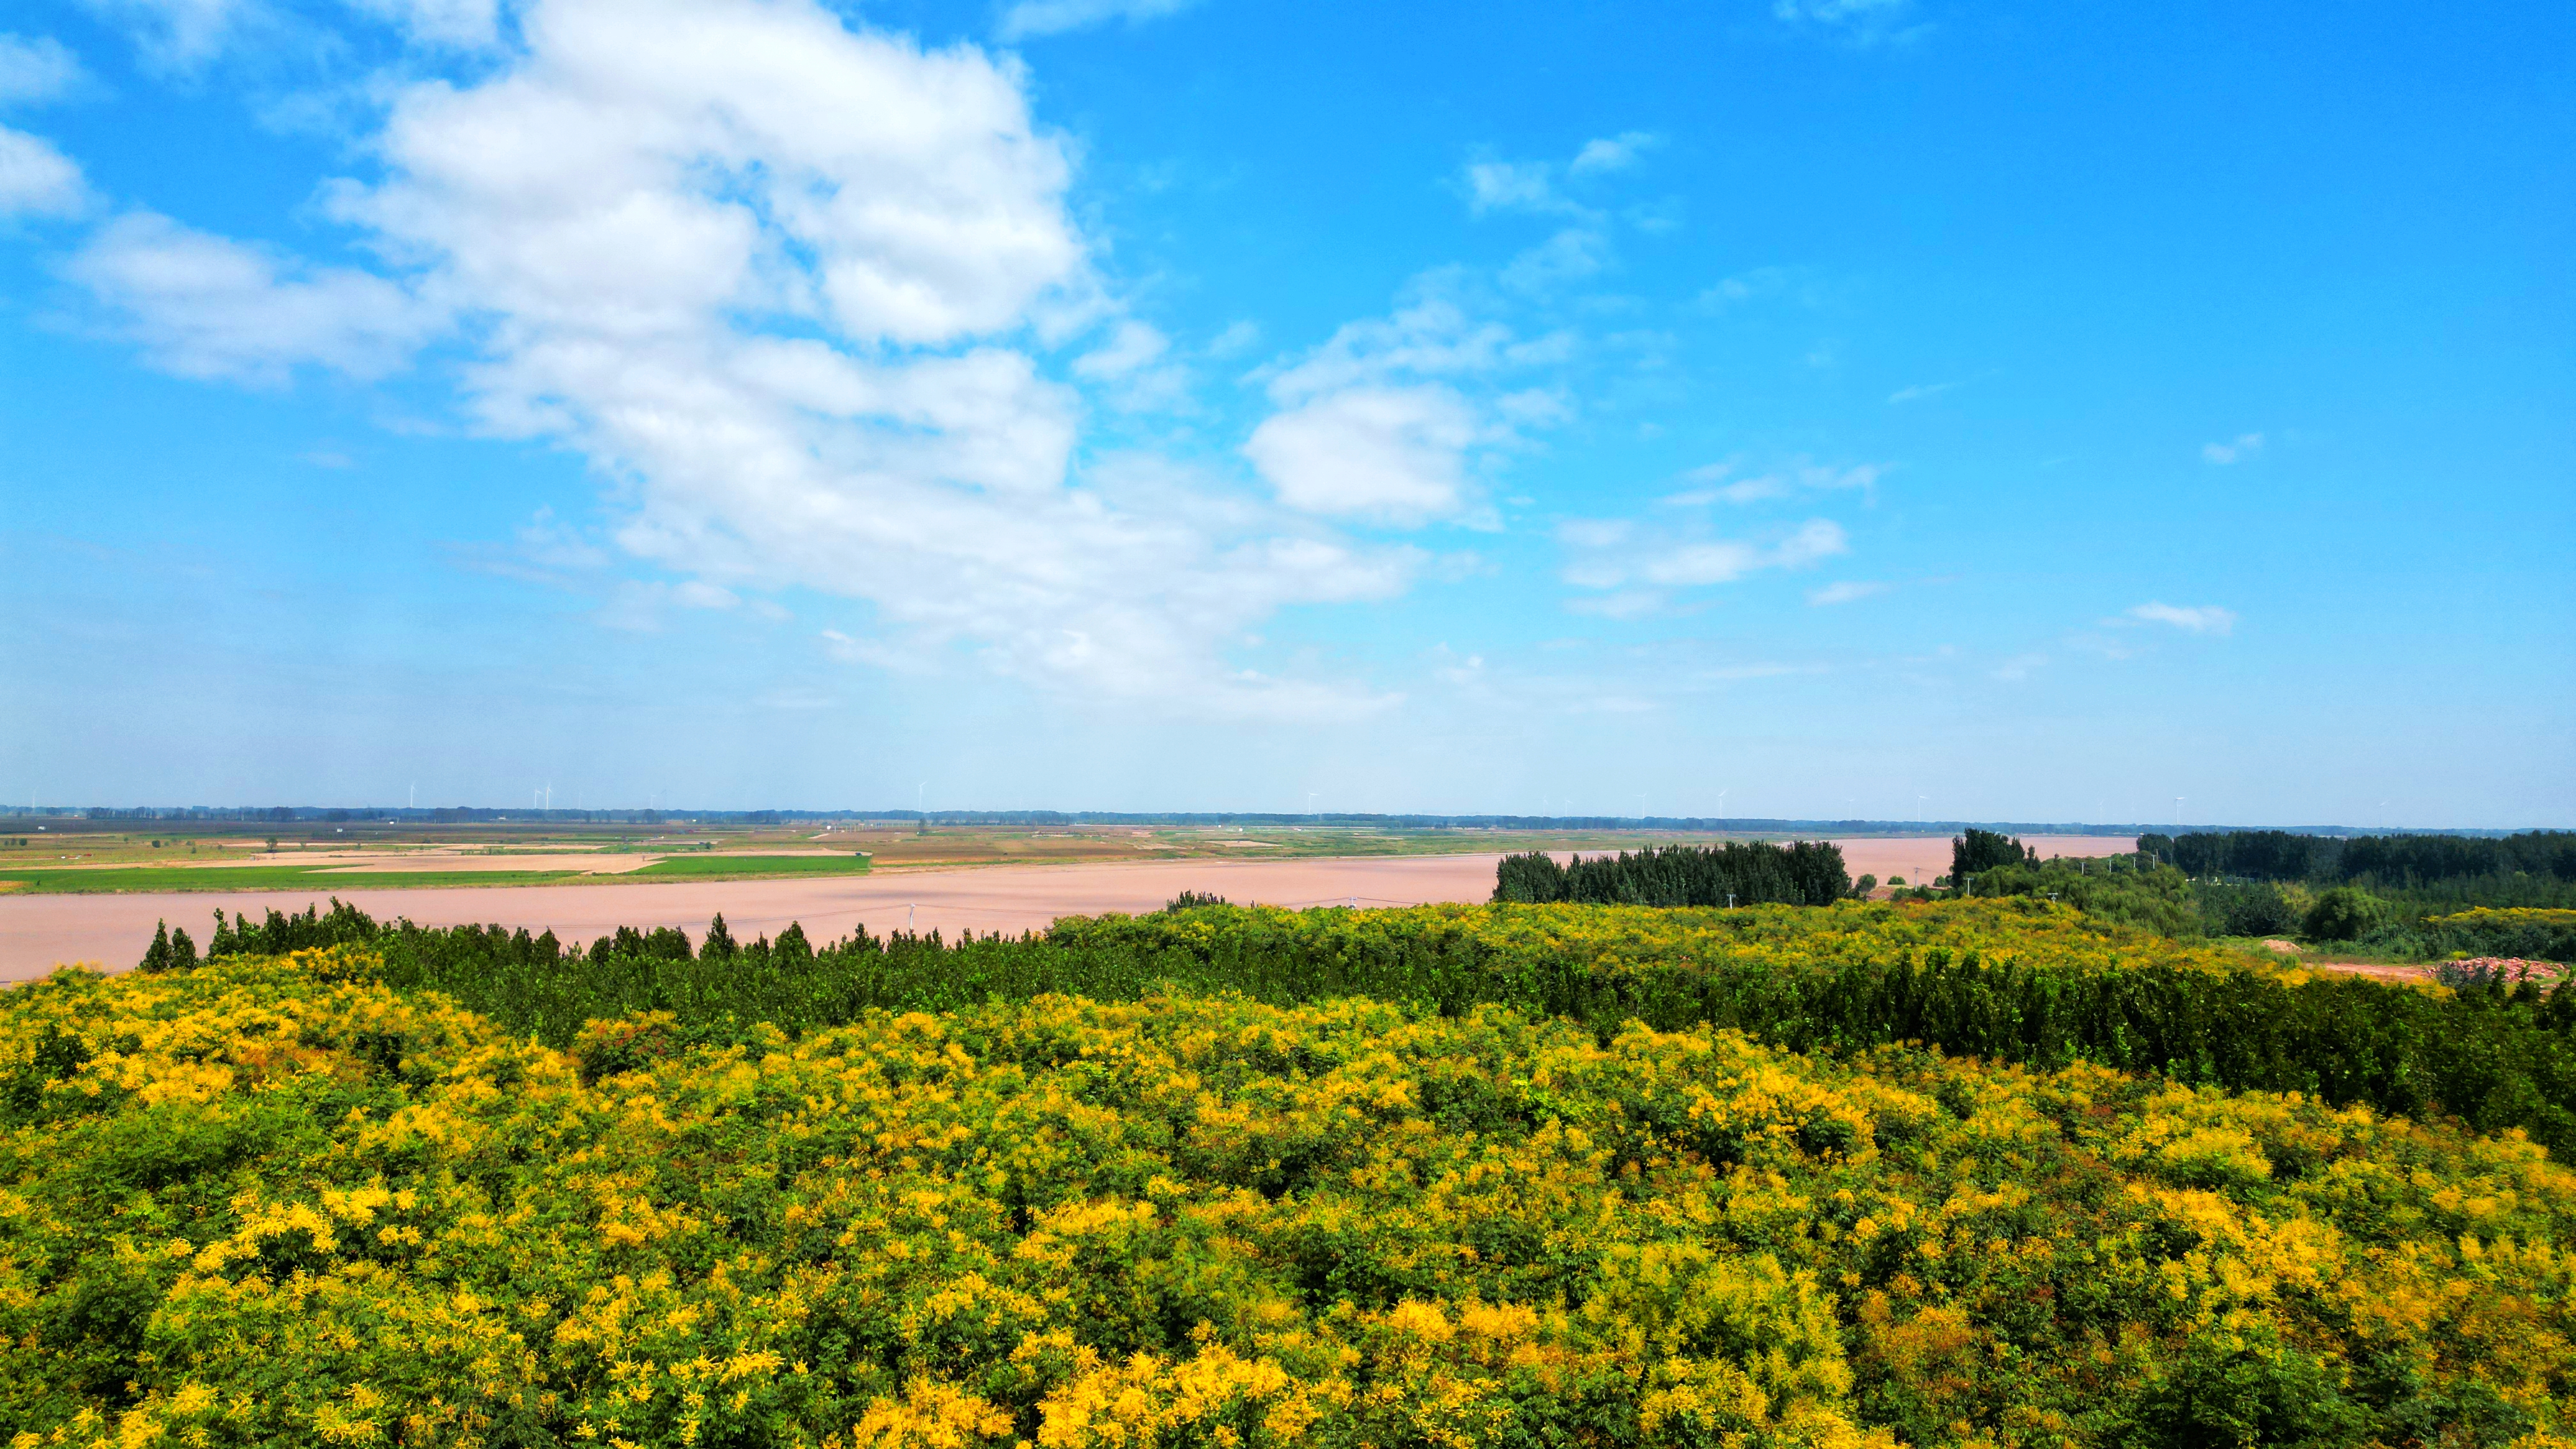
(2403,894)
(1801,873)
(2396,861)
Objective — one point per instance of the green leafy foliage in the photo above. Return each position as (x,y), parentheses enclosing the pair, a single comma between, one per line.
(275,1202)
(2016,979)
(1803,873)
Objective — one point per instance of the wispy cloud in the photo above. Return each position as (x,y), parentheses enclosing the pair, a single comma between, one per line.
(209,307)
(40,69)
(1863,22)
(1720,482)
(1613,153)
(1634,568)
(1055,17)
(2198,619)
(2245,446)
(37,180)
(1493,185)
(1798,285)
(1512,186)
(1848,591)
(1920,391)
(2020,667)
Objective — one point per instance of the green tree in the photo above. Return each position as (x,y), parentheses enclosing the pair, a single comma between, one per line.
(2341,914)
(156,957)
(1983,850)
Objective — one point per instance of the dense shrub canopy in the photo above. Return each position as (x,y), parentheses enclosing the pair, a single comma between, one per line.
(274,1202)
(1800,873)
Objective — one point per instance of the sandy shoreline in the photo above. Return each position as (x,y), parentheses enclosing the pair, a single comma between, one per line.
(39,932)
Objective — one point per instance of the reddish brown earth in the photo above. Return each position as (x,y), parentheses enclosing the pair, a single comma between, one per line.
(39,932)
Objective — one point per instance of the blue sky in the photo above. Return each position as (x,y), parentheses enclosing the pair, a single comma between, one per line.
(1888,408)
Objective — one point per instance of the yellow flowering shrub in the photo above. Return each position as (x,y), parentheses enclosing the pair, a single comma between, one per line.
(269,1202)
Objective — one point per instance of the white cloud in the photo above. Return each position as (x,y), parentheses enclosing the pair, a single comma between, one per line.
(1369,425)
(1747,286)
(1620,555)
(1717,483)
(467,24)
(2201,619)
(2020,667)
(1847,591)
(1131,346)
(37,180)
(1919,391)
(1512,186)
(1430,336)
(1054,17)
(203,306)
(1569,256)
(1615,153)
(777,278)
(1864,21)
(1387,454)
(1130,368)
(2246,445)
(35,70)
(178,34)
(1531,186)
(1238,337)
(1623,604)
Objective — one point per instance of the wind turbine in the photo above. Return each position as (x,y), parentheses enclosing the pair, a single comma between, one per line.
(2178,811)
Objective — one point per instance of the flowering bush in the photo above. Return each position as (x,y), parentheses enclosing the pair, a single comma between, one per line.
(274,1201)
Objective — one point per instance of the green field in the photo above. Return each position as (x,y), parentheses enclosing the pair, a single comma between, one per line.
(712,867)
(255,878)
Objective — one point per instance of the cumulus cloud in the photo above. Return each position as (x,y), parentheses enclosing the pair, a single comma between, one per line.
(35,70)
(2200,619)
(204,306)
(1054,17)
(1387,454)
(2244,446)
(37,180)
(779,279)
(1374,423)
